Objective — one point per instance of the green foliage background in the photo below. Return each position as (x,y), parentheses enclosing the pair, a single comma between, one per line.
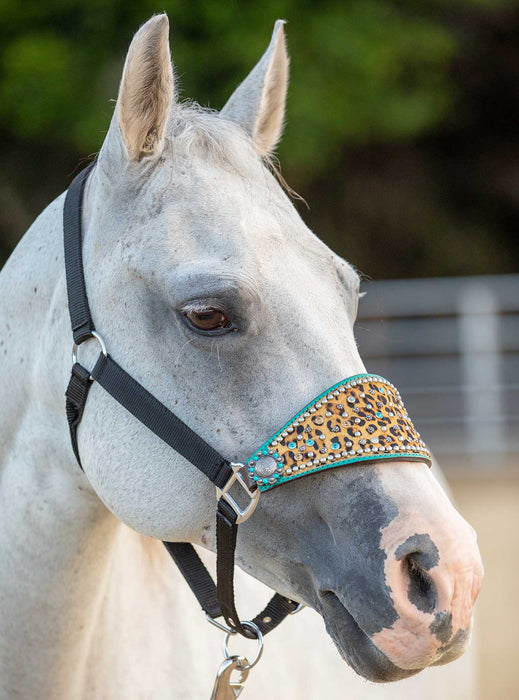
(402,115)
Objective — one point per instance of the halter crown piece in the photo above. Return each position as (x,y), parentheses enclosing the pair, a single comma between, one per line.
(361,419)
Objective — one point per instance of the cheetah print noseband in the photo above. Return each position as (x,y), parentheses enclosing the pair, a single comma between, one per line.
(361,419)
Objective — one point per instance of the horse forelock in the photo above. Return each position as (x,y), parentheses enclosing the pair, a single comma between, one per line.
(194,131)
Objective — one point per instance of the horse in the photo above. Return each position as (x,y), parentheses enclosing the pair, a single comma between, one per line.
(213,293)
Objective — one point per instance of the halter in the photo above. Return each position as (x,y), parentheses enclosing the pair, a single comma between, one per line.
(360,419)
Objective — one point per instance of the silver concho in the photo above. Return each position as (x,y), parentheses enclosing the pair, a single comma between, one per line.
(265,466)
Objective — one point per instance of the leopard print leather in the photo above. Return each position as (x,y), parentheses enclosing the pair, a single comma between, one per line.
(360,419)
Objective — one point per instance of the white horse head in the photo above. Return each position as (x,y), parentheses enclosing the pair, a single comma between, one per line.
(210,290)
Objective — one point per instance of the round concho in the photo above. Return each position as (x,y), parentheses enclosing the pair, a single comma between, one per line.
(265,466)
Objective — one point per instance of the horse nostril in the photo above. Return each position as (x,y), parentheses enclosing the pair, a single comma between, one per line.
(421,590)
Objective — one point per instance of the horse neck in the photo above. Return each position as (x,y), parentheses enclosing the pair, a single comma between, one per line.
(56,536)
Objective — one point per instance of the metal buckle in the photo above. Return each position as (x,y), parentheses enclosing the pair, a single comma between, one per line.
(298,609)
(243,514)
(97,337)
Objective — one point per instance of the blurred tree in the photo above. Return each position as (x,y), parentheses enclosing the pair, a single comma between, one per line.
(372,80)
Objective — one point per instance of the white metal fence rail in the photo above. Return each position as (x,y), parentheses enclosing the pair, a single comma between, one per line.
(451,345)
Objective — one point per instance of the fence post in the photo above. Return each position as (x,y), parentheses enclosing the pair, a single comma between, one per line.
(480,352)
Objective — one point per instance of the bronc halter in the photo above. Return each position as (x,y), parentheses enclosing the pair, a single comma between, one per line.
(360,419)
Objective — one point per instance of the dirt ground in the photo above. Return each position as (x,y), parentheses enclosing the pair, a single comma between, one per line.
(492,507)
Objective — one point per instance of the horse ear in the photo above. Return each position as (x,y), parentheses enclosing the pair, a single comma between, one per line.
(258,104)
(146,90)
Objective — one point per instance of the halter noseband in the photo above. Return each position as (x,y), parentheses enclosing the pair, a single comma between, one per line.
(360,419)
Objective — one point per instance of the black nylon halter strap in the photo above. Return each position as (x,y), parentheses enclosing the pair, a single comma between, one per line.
(215,600)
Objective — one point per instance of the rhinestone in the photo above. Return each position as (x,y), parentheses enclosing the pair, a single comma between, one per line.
(362,394)
(298,457)
(344,414)
(374,439)
(290,430)
(362,442)
(357,433)
(345,453)
(295,468)
(366,449)
(359,452)
(383,427)
(337,455)
(274,442)
(329,397)
(316,461)
(272,480)
(319,420)
(352,452)
(312,410)
(342,390)
(382,448)
(357,420)
(350,399)
(300,436)
(374,449)
(323,449)
(336,393)
(331,458)
(349,444)
(288,472)
(318,404)
(328,414)
(323,460)
(306,414)
(301,448)
(284,433)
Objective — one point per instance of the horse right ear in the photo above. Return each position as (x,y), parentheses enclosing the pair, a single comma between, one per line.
(146,91)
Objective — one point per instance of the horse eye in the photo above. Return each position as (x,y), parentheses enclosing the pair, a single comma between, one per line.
(209,320)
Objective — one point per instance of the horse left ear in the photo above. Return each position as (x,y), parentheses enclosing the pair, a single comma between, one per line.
(258,104)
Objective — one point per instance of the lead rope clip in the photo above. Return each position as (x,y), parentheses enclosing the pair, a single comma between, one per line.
(224,687)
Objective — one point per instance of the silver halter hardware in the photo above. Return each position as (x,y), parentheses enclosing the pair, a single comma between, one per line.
(242,514)
(96,336)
